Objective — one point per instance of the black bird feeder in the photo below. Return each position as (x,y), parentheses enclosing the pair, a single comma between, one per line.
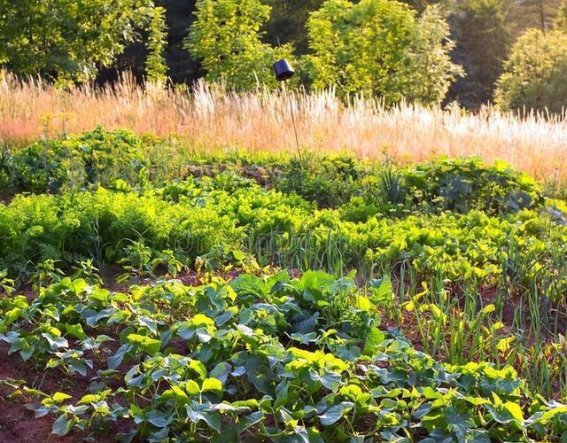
(283,70)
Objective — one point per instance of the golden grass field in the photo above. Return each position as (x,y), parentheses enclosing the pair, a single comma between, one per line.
(208,117)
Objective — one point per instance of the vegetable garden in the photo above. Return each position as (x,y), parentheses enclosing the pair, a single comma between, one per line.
(156,293)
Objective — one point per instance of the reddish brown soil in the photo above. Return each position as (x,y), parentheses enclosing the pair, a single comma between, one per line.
(17,423)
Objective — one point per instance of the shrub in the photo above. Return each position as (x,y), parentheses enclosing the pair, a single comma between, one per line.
(67,41)
(328,181)
(464,184)
(94,158)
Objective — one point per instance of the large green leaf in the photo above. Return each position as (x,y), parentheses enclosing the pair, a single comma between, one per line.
(335,413)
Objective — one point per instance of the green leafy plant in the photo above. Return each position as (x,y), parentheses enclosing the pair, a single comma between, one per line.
(93,158)
(465,184)
(226,36)
(380,48)
(46,273)
(261,358)
(7,284)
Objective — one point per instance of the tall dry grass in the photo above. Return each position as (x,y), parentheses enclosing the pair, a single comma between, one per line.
(208,117)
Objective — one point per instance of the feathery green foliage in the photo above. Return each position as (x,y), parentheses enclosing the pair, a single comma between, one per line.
(535,74)
(156,69)
(66,40)
(226,36)
(380,48)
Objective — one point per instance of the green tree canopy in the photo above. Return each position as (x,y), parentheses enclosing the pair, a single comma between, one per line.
(535,74)
(156,69)
(67,39)
(380,48)
(226,36)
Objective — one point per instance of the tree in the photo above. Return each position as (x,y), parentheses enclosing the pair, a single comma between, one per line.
(156,69)
(535,74)
(380,48)
(66,40)
(433,70)
(483,39)
(226,37)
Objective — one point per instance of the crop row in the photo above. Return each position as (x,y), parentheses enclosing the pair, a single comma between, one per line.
(278,358)
(200,216)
